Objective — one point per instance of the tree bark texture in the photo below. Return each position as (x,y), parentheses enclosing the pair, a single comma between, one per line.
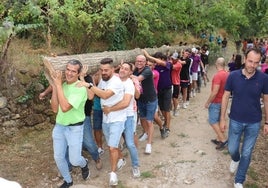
(93,59)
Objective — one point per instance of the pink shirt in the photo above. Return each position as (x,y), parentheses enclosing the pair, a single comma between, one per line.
(264,66)
(156,79)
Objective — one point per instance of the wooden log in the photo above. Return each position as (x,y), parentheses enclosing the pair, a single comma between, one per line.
(93,59)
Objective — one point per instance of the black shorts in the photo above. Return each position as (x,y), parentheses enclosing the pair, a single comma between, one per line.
(176,91)
(184,84)
(164,99)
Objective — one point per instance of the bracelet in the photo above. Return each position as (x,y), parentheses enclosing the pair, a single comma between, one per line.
(266,123)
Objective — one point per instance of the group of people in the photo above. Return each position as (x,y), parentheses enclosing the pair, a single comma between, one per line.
(145,90)
(247,85)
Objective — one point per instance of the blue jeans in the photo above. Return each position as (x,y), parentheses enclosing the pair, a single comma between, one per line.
(129,138)
(88,141)
(97,119)
(70,137)
(251,132)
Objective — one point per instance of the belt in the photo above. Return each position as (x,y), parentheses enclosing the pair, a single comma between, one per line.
(76,124)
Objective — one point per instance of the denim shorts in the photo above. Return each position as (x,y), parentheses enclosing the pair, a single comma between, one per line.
(113,132)
(147,109)
(97,119)
(214,111)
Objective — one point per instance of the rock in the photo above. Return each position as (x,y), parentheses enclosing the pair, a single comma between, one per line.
(3,102)
(188,181)
(34,119)
(4,112)
(39,87)
(23,71)
(16,116)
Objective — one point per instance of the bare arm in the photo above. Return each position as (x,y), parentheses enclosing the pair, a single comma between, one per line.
(46,92)
(137,87)
(265,101)
(104,94)
(120,105)
(156,60)
(83,74)
(62,101)
(54,103)
(224,105)
(215,90)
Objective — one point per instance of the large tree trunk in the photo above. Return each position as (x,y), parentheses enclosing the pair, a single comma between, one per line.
(93,59)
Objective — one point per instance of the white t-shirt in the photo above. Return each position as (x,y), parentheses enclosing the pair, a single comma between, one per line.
(129,88)
(114,84)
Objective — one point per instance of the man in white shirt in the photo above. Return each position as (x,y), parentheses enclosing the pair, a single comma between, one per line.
(111,91)
(128,104)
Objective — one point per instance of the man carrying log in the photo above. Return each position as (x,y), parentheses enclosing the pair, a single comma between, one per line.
(68,102)
(111,92)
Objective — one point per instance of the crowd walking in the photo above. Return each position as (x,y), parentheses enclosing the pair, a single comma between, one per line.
(145,92)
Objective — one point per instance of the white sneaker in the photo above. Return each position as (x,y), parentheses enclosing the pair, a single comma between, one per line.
(143,137)
(148,149)
(121,163)
(175,113)
(136,172)
(100,151)
(233,166)
(113,179)
(184,105)
(238,185)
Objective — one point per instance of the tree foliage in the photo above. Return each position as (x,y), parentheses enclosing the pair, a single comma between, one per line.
(135,23)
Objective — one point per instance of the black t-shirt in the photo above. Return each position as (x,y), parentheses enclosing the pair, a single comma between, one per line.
(148,92)
(89,103)
(184,75)
(204,58)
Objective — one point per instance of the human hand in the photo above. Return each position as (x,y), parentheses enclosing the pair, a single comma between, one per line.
(265,129)
(222,125)
(42,96)
(106,110)
(82,84)
(83,72)
(57,77)
(145,53)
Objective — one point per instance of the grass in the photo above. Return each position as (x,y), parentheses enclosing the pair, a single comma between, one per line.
(186,161)
(159,166)
(182,135)
(253,174)
(147,174)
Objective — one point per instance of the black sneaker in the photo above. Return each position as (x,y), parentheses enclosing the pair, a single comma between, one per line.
(66,185)
(215,141)
(222,145)
(163,133)
(85,171)
(167,131)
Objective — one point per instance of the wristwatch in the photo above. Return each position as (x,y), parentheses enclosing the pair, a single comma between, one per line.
(90,85)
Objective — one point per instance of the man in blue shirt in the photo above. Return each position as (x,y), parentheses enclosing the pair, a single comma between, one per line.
(247,86)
